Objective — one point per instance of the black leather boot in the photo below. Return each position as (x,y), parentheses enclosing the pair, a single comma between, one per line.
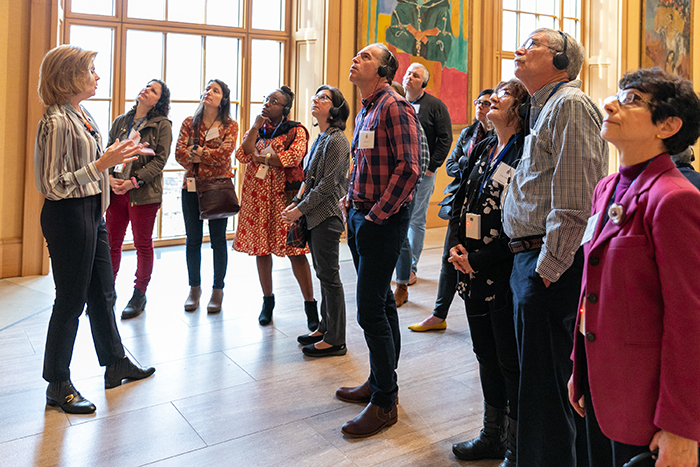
(491,442)
(135,306)
(124,369)
(265,317)
(311,310)
(65,396)
(511,443)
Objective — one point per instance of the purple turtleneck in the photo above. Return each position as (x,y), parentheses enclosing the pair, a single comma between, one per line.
(627,176)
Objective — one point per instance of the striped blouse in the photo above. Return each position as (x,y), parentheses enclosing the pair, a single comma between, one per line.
(65,154)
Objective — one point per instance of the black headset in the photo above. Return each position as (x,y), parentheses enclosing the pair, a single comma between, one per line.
(561,60)
(424,84)
(334,112)
(382,71)
(224,101)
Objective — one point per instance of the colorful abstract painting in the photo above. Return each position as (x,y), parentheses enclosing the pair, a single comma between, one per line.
(666,36)
(431,32)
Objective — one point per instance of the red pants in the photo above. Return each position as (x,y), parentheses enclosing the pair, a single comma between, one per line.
(142,218)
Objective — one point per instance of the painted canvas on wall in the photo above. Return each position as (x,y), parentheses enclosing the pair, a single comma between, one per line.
(666,36)
(431,32)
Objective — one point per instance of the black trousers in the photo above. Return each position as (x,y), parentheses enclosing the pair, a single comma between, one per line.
(82,272)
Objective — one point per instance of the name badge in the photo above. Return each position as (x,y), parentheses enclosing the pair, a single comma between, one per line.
(590,228)
(267,151)
(119,168)
(503,174)
(134,136)
(472,226)
(366,140)
(191,185)
(212,133)
(416,107)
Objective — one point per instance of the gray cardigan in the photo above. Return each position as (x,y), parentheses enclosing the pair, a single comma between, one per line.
(326,178)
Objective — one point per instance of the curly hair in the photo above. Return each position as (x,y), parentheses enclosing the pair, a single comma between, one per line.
(671,96)
(289,94)
(520,97)
(162,107)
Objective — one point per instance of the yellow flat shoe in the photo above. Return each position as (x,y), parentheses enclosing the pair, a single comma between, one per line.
(435,327)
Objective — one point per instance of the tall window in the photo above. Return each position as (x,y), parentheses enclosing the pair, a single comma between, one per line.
(521,17)
(185,43)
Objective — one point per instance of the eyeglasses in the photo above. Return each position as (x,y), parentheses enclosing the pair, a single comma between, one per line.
(530,43)
(502,93)
(272,101)
(628,98)
(484,104)
(320,98)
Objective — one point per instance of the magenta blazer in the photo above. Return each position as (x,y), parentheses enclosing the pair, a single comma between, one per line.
(641,287)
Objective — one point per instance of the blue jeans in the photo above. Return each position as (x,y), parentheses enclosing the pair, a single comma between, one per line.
(375,249)
(194,229)
(403,265)
(544,328)
(419,216)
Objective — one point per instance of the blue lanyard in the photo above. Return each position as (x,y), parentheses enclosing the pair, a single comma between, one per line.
(358,129)
(265,140)
(413,102)
(491,170)
(556,88)
(312,152)
(131,122)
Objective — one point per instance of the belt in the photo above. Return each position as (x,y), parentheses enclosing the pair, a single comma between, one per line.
(361,206)
(526,244)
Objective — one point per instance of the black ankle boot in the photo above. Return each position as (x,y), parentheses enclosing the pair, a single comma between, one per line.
(65,396)
(124,369)
(491,442)
(135,306)
(265,317)
(311,310)
(511,443)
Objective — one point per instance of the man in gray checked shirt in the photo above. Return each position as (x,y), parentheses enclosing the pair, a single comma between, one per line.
(545,213)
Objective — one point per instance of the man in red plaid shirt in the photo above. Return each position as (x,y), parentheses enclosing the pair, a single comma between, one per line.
(386,152)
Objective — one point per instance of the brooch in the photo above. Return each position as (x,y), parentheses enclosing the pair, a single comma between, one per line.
(616,213)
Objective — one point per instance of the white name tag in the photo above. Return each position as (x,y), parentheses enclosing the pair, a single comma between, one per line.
(267,151)
(118,168)
(212,133)
(590,228)
(191,184)
(416,107)
(503,174)
(366,140)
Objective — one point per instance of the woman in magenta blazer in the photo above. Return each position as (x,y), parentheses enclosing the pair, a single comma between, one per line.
(637,345)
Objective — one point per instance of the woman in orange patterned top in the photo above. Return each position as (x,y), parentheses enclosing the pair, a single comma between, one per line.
(204,148)
(273,148)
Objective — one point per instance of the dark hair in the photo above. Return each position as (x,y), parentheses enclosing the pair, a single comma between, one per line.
(388,60)
(484,92)
(398,88)
(287,91)
(162,107)
(671,96)
(339,103)
(224,106)
(520,97)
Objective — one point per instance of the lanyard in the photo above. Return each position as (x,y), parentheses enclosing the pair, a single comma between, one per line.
(87,125)
(359,128)
(492,169)
(131,122)
(556,88)
(413,102)
(265,140)
(312,152)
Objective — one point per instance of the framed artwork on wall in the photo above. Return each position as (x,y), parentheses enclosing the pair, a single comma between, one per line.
(431,32)
(666,34)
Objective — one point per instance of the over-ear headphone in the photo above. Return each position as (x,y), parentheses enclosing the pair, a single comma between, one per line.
(334,112)
(224,101)
(382,71)
(561,60)
(424,84)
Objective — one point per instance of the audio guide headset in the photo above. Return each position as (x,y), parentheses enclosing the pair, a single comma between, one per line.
(561,60)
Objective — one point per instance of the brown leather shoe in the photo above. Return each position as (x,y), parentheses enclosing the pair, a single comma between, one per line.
(370,421)
(360,394)
(412,278)
(401,294)
(217,296)
(192,302)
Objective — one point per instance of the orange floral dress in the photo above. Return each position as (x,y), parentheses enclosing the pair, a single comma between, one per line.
(261,230)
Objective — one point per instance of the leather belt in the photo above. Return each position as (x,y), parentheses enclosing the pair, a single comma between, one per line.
(525,244)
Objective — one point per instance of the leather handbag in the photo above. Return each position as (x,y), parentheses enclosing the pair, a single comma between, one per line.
(298,233)
(217,197)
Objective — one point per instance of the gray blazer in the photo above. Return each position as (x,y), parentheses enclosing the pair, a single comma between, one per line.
(326,178)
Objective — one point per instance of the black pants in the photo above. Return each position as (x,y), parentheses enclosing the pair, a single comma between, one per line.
(82,272)
(492,331)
